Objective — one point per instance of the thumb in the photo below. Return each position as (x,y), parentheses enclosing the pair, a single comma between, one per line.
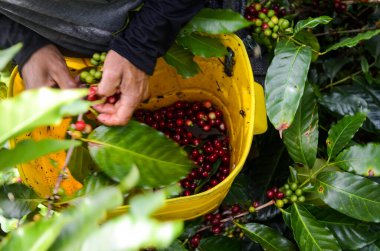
(109,83)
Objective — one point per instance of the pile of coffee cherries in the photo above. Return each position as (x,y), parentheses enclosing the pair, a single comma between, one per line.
(268,21)
(200,129)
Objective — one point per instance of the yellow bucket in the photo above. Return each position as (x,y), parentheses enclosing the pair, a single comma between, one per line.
(239,97)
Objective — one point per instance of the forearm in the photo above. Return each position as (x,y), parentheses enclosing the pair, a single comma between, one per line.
(12,33)
(153,30)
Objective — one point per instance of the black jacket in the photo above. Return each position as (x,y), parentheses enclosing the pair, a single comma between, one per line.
(149,34)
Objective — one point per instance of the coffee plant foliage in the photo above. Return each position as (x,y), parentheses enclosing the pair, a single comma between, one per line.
(322,99)
(310,183)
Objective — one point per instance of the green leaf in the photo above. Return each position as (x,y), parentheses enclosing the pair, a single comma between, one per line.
(311,40)
(160,160)
(351,42)
(220,243)
(350,194)
(8,54)
(309,233)
(94,182)
(286,214)
(216,21)
(342,132)
(349,99)
(373,247)
(128,233)
(131,180)
(301,139)
(17,200)
(267,237)
(3,90)
(373,47)
(364,64)
(81,164)
(363,160)
(177,245)
(28,150)
(18,116)
(285,82)
(182,60)
(83,219)
(350,233)
(239,191)
(332,66)
(35,236)
(202,46)
(343,103)
(146,204)
(311,23)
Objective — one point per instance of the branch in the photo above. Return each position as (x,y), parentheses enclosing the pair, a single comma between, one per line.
(333,32)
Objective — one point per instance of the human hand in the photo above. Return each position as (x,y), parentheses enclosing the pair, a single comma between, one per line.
(120,75)
(47,67)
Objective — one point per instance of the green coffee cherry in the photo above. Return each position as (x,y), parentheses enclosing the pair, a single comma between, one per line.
(257,6)
(301,198)
(298,192)
(251,209)
(262,16)
(76,134)
(285,200)
(288,193)
(275,28)
(293,186)
(293,198)
(271,13)
(268,32)
(258,22)
(83,75)
(279,203)
(98,75)
(274,19)
(93,61)
(92,71)
(89,79)
(103,57)
(274,35)
(96,56)
(286,186)
(285,24)
(257,29)
(270,24)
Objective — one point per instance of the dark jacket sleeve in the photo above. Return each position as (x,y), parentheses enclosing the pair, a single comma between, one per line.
(152,31)
(12,33)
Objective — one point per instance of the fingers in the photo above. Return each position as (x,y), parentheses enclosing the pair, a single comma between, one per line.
(111,78)
(121,75)
(64,80)
(119,113)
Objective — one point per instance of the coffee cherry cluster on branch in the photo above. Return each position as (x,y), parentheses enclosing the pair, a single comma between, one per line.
(339,6)
(324,5)
(182,122)
(219,223)
(79,128)
(268,21)
(289,193)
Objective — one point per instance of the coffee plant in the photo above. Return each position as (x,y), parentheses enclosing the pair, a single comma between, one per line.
(310,183)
